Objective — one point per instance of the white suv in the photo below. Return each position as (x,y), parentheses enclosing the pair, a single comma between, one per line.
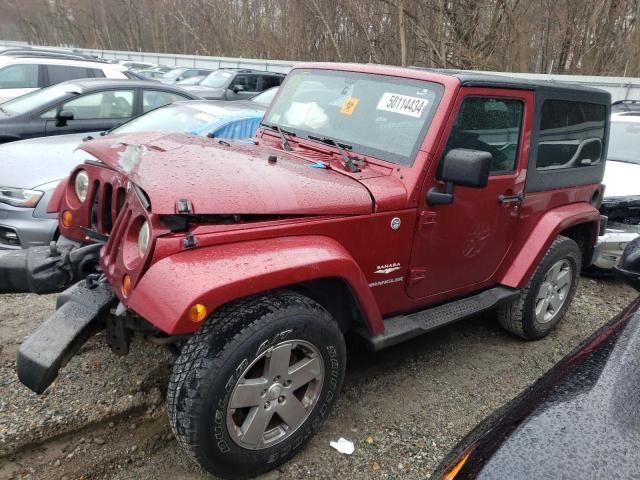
(621,203)
(20,75)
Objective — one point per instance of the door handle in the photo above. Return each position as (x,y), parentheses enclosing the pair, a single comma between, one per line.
(513,199)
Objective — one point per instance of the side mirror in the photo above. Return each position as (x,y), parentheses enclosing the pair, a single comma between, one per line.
(629,267)
(460,166)
(237,88)
(63,117)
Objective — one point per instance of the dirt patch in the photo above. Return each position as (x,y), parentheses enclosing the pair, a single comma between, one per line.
(404,407)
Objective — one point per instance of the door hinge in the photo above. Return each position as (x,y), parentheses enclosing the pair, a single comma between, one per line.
(416,275)
(427,219)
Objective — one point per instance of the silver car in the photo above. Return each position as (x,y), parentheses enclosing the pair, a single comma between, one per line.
(621,203)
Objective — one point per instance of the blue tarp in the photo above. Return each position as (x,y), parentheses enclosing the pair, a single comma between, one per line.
(237,125)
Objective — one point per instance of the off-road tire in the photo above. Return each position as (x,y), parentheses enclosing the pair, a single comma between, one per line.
(519,316)
(208,367)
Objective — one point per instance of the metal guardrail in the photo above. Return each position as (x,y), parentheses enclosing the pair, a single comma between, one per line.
(197,61)
(620,88)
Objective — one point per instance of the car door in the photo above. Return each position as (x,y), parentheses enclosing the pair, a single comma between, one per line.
(459,247)
(18,79)
(92,112)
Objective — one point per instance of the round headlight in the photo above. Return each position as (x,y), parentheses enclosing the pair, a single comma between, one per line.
(81,185)
(143,238)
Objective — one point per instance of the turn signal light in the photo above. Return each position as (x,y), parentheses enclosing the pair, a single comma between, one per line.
(451,474)
(126,285)
(197,312)
(67,218)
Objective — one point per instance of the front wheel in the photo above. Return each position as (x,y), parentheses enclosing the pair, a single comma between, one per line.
(255,382)
(547,296)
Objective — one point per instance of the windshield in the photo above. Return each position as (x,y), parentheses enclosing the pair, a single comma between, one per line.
(216,79)
(30,101)
(385,117)
(172,118)
(266,97)
(624,139)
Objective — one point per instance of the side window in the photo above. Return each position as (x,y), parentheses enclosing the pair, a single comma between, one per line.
(155,98)
(19,76)
(97,73)
(571,134)
(269,81)
(109,104)
(490,124)
(249,82)
(61,73)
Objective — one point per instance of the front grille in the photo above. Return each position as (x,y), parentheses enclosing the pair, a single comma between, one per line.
(106,206)
(112,248)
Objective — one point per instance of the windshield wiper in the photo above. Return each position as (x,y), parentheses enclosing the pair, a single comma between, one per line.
(349,162)
(275,128)
(3,111)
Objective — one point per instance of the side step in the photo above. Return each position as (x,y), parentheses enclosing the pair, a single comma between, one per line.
(404,327)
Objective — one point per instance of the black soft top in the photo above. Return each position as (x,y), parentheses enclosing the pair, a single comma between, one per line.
(479,79)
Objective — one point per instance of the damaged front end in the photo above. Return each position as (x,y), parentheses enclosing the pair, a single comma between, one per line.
(623,226)
(46,269)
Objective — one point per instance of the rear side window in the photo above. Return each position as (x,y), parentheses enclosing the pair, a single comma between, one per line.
(571,134)
(19,76)
(155,98)
(270,81)
(489,124)
(96,73)
(62,73)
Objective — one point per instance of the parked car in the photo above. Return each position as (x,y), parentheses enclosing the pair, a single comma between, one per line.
(87,105)
(131,65)
(621,203)
(31,169)
(233,84)
(577,421)
(21,75)
(180,73)
(625,106)
(191,80)
(378,201)
(27,51)
(150,74)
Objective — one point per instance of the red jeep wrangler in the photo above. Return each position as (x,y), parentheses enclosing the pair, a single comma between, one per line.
(381,201)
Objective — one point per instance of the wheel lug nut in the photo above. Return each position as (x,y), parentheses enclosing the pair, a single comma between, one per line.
(267,404)
(287,383)
(281,399)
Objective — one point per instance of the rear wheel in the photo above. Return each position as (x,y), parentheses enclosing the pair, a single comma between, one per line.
(547,296)
(255,382)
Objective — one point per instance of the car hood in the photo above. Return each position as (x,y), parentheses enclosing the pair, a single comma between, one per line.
(223,178)
(621,179)
(34,162)
(205,92)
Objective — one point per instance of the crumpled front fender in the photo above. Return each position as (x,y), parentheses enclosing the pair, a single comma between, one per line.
(217,275)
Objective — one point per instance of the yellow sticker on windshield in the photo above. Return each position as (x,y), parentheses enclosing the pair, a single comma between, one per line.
(349,105)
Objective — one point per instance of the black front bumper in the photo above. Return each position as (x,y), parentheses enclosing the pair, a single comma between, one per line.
(80,313)
(46,269)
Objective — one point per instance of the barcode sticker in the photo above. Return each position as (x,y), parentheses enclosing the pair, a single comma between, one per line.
(402,104)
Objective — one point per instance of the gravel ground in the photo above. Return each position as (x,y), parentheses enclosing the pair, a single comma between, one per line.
(404,407)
